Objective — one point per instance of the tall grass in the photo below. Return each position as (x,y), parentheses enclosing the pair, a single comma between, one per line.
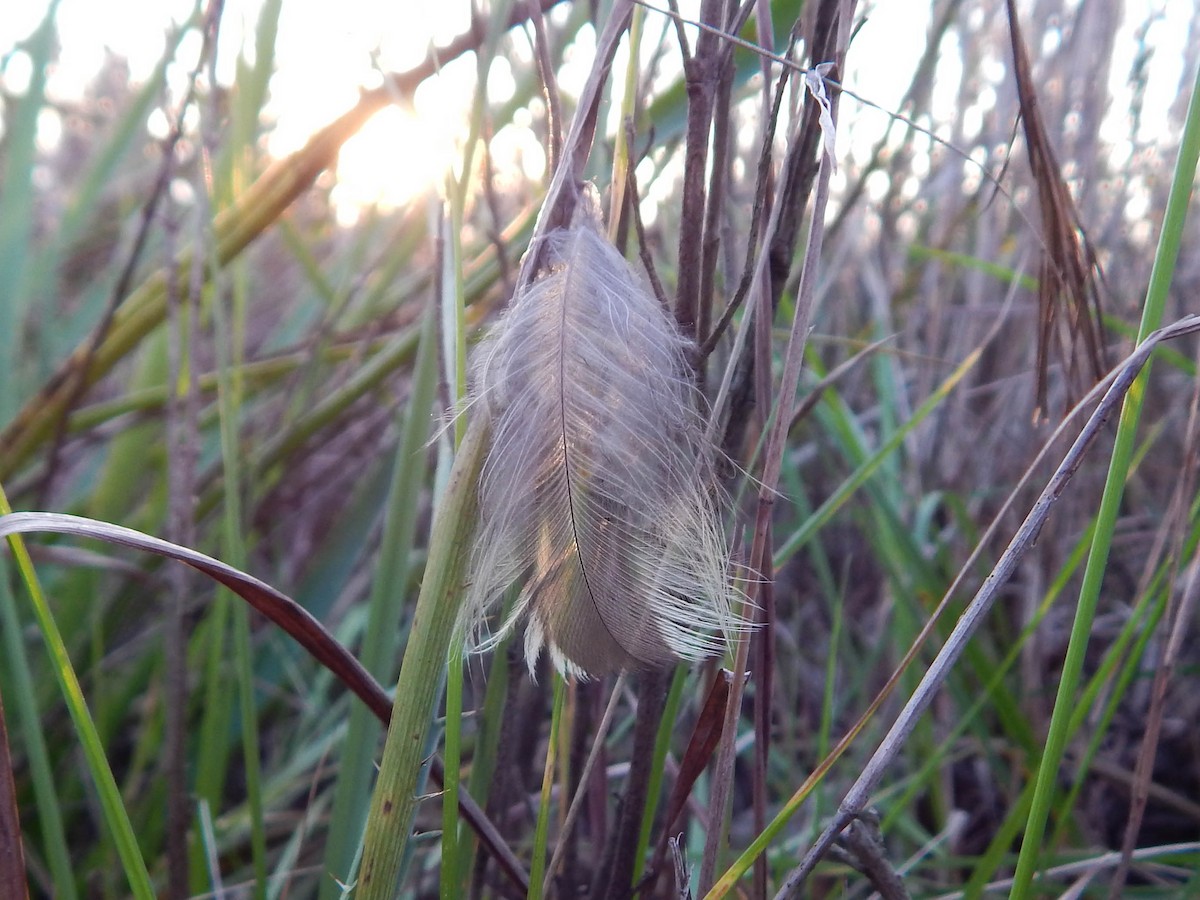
(192,346)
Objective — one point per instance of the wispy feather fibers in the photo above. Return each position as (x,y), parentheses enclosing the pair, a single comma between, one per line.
(595,491)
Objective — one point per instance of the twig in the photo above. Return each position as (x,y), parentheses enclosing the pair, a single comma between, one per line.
(12,853)
(756,221)
(545,69)
(76,385)
(862,849)
(813,397)
(634,197)
(614,880)
(577,801)
(760,554)
(559,204)
(701,76)
(685,51)
(1095,863)
(1182,616)
(183,451)
(856,798)
(722,124)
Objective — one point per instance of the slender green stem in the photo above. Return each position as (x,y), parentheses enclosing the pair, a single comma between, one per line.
(109,794)
(24,699)
(537,869)
(394,800)
(1106,519)
(662,743)
(621,149)
(389,590)
(451,881)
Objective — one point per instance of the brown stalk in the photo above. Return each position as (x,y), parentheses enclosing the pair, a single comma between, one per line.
(722,121)
(701,76)
(757,219)
(762,649)
(862,848)
(182,421)
(835,14)
(545,68)
(559,204)
(12,851)
(614,878)
(1069,308)
(800,168)
(706,734)
(634,200)
(180,529)
(762,643)
(585,775)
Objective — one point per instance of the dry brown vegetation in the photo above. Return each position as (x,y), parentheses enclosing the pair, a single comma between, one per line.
(190,345)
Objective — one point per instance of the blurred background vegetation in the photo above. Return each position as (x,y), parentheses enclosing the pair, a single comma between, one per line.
(215,331)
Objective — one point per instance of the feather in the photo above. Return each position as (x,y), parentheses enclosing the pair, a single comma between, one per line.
(595,492)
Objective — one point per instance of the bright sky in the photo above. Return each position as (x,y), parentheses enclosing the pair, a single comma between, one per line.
(326,53)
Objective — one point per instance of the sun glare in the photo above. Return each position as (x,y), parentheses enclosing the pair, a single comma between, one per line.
(322,62)
(396,157)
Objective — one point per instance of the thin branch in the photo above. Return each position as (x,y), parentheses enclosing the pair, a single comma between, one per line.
(1182,615)
(701,76)
(568,824)
(545,69)
(559,203)
(760,554)
(12,849)
(634,196)
(76,385)
(756,220)
(685,51)
(857,797)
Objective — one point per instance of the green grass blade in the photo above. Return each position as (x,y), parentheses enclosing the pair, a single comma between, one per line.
(1106,519)
(860,475)
(213,749)
(16,209)
(231,335)
(662,744)
(252,81)
(109,795)
(381,638)
(24,700)
(454,311)
(537,869)
(453,860)
(394,799)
